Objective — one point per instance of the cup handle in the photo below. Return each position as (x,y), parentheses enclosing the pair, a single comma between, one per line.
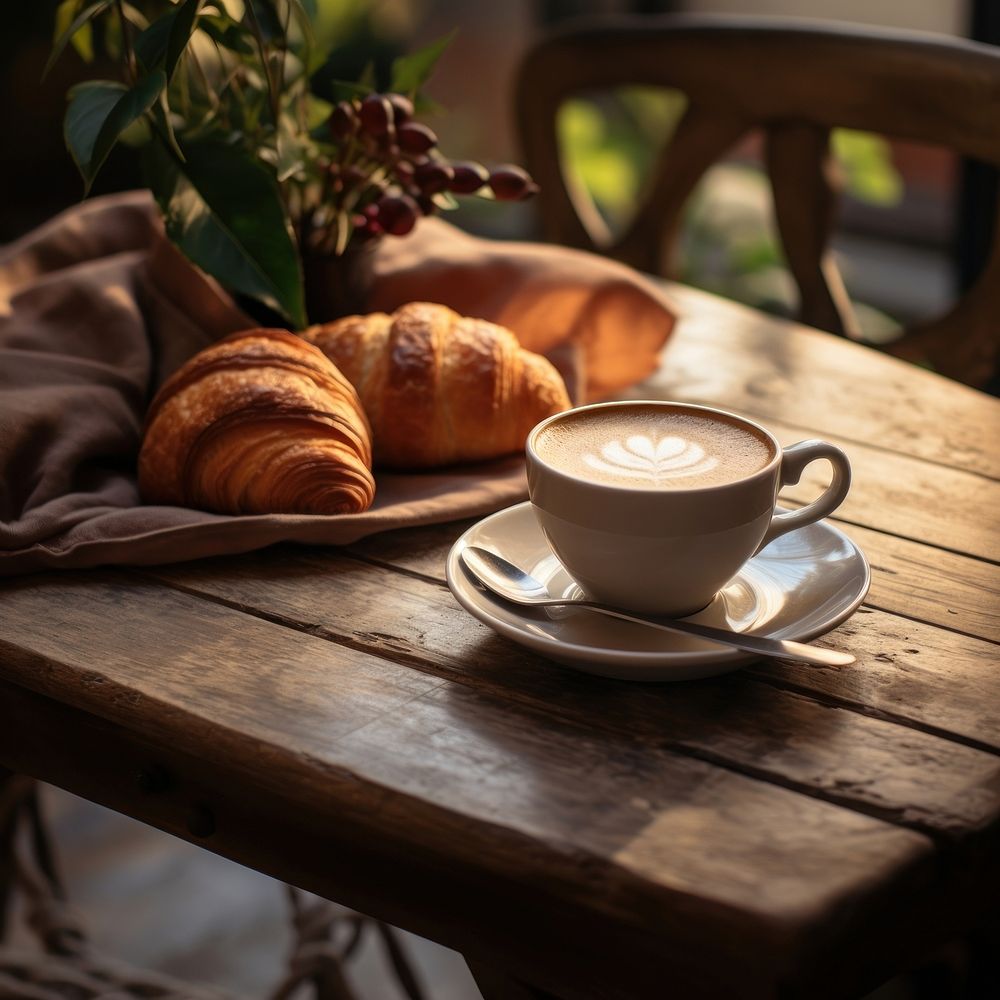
(794,459)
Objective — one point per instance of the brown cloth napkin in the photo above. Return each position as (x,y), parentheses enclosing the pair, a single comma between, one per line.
(97,308)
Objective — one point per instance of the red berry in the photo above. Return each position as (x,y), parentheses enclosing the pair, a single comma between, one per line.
(397,213)
(512,183)
(433,176)
(468,178)
(375,114)
(404,171)
(402,108)
(415,138)
(343,121)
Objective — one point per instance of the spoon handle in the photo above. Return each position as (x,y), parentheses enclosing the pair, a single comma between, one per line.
(785,649)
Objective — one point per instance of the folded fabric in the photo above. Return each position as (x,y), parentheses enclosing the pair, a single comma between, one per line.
(97,308)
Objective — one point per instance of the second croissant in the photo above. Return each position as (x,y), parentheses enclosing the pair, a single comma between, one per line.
(440,388)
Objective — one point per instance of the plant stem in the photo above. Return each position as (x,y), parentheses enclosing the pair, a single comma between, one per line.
(131,66)
(284,47)
(228,80)
(262,49)
(272,91)
(210,94)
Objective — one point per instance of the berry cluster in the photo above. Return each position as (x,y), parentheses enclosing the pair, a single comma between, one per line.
(388,171)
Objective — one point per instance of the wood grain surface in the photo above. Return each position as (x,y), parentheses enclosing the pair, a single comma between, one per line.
(783,371)
(332,717)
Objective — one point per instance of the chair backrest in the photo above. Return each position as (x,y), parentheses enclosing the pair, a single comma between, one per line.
(795,81)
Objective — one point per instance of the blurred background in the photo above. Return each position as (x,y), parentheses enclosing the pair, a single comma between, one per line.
(913,229)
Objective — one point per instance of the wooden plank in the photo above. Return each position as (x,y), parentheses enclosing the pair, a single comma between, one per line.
(891,492)
(887,769)
(955,510)
(928,585)
(911,671)
(422,550)
(286,816)
(788,372)
(484,792)
(908,578)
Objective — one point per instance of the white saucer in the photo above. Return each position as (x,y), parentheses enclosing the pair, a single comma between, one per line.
(802,585)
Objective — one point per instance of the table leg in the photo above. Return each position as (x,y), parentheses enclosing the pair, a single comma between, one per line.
(497,985)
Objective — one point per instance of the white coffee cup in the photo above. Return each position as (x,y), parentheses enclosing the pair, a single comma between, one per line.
(660,525)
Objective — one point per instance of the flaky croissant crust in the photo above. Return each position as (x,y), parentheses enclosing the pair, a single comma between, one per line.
(259,423)
(438,387)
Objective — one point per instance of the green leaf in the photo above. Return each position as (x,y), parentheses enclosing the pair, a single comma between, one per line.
(368,77)
(83,18)
(65,13)
(866,160)
(83,40)
(317,111)
(424,105)
(137,134)
(304,20)
(345,90)
(89,107)
(267,16)
(151,44)
(445,201)
(135,16)
(294,149)
(410,73)
(98,113)
(186,14)
(163,42)
(274,15)
(161,115)
(223,210)
(224,31)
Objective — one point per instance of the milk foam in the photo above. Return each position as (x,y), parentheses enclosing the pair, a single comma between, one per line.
(653,448)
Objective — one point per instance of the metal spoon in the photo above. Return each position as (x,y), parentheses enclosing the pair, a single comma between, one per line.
(514,585)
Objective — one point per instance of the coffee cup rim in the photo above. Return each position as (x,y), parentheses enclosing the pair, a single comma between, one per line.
(763,473)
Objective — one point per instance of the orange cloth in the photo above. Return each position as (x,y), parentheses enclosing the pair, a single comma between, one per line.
(97,308)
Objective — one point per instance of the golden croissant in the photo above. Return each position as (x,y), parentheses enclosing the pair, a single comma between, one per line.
(259,423)
(440,388)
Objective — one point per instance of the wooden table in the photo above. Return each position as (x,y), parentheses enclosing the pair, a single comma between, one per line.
(333,718)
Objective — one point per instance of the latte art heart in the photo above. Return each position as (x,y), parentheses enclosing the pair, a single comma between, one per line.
(671,457)
(648,447)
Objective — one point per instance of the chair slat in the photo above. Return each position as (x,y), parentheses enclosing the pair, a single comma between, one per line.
(702,138)
(803,179)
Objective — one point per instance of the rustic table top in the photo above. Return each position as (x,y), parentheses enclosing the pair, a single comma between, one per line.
(332,717)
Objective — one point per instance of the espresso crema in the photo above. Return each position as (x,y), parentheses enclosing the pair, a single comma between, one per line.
(653,448)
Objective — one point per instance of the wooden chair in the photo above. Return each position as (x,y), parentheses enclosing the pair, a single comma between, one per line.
(795,81)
